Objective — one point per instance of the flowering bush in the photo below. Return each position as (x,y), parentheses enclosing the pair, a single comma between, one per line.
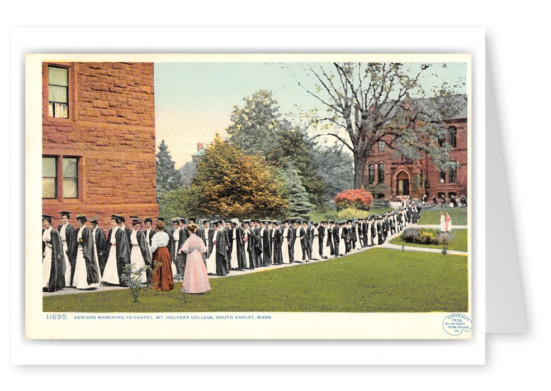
(354,198)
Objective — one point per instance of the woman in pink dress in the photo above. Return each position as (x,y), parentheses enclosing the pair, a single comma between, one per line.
(448,222)
(196,279)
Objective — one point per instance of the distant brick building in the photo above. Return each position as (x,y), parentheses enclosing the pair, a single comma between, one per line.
(389,176)
(98,140)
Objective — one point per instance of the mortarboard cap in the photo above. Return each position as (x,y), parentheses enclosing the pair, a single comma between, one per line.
(48,218)
(82,218)
(65,213)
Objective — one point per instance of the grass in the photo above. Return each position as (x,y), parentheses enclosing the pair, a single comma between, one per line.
(432,217)
(378,280)
(460,242)
(331,214)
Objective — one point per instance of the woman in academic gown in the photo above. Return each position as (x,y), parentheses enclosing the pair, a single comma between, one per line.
(315,241)
(100,245)
(140,257)
(53,261)
(86,267)
(297,242)
(118,254)
(211,259)
(286,243)
(68,237)
(248,243)
(221,250)
(196,279)
(161,277)
(276,242)
(343,237)
(232,237)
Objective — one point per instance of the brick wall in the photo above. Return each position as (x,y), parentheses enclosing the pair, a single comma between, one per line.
(111,129)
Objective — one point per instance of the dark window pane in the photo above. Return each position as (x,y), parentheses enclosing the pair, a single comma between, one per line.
(70,188)
(381,173)
(57,76)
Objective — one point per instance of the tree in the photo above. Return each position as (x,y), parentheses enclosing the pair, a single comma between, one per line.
(335,168)
(233,184)
(168,178)
(371,103)
(299,205)
(256,125)
(259,129)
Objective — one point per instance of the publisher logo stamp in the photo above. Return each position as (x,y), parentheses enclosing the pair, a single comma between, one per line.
(456,324)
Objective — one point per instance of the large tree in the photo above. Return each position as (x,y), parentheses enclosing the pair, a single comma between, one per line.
(168,178)
(231,183)
(366,103)
(258,128)
(299,204)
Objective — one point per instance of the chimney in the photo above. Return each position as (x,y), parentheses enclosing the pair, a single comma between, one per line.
(200,146)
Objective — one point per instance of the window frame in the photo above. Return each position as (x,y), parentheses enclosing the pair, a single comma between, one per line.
(371,178)
(77,159)
(379,180)
(56,182)
(452,130)
(68,91)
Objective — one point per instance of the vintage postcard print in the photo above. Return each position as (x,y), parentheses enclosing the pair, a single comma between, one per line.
(257,196)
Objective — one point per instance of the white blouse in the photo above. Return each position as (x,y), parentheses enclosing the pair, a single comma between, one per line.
(159,240)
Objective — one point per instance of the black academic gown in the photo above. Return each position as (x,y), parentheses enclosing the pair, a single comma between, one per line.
(221,254)
(266,239)
(122,251)
(57,270)
(257,247)
(149,236)
(336,240)
(330,240)
(304,242)
(71,238)
(240,247)
(276,242)
(321,237)
(87,245)
(101,248)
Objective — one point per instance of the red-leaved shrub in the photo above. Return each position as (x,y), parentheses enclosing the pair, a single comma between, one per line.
(354,198)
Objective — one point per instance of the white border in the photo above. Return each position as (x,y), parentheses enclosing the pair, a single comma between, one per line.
(263,40)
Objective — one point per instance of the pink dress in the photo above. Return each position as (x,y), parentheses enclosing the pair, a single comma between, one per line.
(196,279)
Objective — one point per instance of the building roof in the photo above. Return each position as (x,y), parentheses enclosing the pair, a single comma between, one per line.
(437,108)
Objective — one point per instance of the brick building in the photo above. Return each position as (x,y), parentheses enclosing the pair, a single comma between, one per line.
(389,176)
(98,140)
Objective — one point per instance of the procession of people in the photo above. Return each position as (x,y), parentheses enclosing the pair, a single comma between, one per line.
(85,258)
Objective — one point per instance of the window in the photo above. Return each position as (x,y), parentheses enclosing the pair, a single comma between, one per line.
(371,174)
(453,136)
(442,177)
(381,146)
(381,170)
(453,175)
(70,177)
(58,92)
(49,177)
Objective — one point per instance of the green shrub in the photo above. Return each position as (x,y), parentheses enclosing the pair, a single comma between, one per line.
(351,213)
(426,236)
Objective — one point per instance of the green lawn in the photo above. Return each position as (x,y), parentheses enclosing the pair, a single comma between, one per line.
(460,242)
(432,217)
(378,280)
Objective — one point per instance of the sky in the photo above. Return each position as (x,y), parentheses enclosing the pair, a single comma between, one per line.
(194,100)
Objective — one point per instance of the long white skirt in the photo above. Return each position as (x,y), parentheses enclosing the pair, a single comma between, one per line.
(297,251)
(443,224)
(97,260)
(174,269)
(342,244)
(247,257)
(137,262)
(358,242)
(67,265)
(285,251)
(369,238)
(211,261)
(110,273)
(80,279)
(234,264)
(46,267)
(325,248)
(316,248)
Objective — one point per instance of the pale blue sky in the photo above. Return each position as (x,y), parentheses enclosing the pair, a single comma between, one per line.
(193,101)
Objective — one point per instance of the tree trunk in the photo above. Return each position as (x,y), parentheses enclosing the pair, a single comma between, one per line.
(359,171)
